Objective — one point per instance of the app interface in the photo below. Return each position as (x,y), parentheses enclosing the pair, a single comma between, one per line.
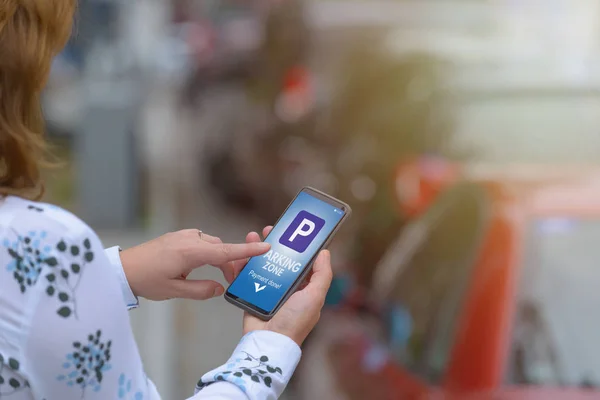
(295,239)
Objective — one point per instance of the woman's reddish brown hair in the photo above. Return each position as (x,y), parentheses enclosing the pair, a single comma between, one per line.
(32,32)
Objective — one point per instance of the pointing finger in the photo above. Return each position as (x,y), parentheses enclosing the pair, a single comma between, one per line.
(228,268)
(238,265)
(219,254)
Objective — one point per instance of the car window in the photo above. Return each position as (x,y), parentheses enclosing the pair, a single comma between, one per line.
(428,292)
(555,330)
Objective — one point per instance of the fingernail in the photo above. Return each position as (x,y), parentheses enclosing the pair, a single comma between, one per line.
(218,291)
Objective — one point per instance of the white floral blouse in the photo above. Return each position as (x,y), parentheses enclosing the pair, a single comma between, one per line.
(64,328)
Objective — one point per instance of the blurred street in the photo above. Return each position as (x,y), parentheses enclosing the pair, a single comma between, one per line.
(464,135)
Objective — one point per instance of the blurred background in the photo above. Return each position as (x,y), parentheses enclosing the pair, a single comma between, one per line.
(464,134)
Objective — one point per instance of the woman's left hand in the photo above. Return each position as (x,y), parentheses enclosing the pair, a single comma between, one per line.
(158,269)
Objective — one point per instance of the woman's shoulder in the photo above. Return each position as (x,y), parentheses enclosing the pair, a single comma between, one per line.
(19,215)
(44,252)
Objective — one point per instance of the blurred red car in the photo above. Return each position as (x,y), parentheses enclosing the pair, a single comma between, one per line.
(491,292)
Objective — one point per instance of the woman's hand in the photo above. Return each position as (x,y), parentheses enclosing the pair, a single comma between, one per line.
(302,310)
(158,269)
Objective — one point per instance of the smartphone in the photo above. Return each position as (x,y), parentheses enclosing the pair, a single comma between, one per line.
(307,225)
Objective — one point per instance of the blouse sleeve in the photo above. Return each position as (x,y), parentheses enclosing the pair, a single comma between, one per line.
(261,367)
(114,259)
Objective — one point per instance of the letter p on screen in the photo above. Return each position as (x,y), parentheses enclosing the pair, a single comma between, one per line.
(305,228)
(302,231)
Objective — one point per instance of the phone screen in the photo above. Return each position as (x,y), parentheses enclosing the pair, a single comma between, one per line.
(296,238)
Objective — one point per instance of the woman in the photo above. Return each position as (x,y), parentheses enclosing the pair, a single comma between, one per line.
(64,329)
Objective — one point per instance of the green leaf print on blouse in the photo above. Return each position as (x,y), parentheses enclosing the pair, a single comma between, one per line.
(86,364)
(11,381)
(28,255)
(60,266)
(63,277)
